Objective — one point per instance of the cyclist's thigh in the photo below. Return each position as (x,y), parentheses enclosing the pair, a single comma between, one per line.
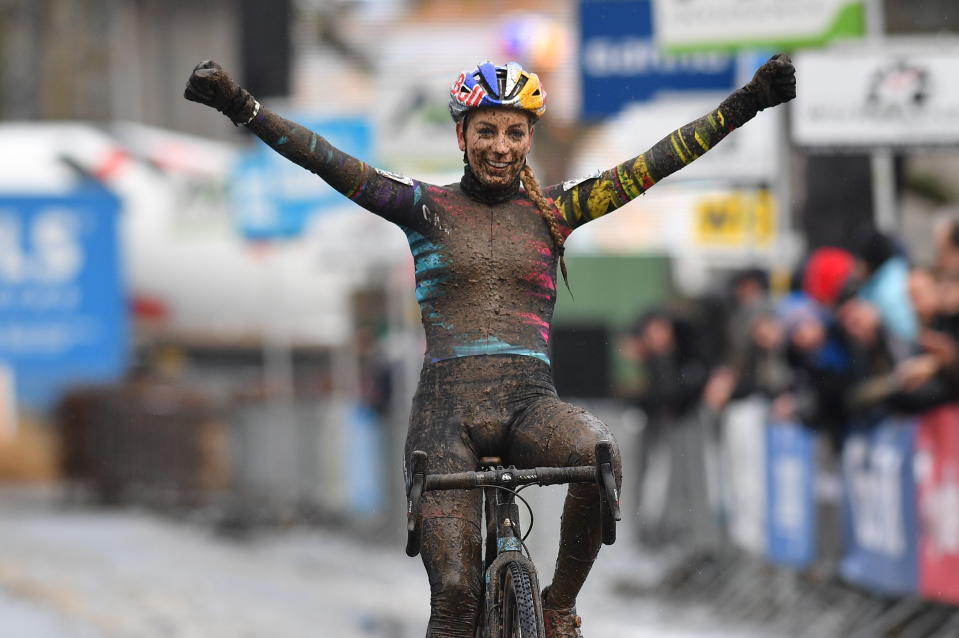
(444,439)
(448,449)
(451,547)
(552,432)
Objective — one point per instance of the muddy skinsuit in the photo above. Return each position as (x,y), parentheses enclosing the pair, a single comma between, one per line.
(486,285)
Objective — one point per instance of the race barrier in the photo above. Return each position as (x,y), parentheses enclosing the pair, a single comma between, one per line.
(743,451)
(822,537)
(899,502)
(879,508)
(790,506)
(937,475)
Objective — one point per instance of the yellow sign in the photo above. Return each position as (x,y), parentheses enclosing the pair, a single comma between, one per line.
(738,219)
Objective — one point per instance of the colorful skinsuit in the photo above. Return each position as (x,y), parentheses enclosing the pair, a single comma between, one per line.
(486,285)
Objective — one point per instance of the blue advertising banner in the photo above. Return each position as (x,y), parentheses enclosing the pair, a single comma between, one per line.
(620,63)
(364,443)
(879,508)
(275,198)
(63,315)
(790,476)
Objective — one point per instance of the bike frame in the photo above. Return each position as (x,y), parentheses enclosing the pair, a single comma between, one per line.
(504,541)
(504,545)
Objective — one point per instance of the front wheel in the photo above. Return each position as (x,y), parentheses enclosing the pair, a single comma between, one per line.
(518,609)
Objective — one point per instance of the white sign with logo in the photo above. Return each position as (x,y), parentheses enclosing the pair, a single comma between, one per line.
(701,24)
(749,154)
(862,97)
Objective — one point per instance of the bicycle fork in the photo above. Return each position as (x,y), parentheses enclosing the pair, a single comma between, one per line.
(504,545)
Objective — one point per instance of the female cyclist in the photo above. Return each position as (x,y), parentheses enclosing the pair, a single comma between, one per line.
(485,252)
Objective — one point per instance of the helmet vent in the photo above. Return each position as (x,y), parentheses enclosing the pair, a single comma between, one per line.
(519,87)
(501,83)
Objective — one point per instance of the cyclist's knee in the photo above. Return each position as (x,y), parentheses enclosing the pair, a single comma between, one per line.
(454,603)
(580,438)
(452,555)
(455,590)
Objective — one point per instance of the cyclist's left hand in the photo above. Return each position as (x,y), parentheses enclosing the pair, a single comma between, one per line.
(774,82)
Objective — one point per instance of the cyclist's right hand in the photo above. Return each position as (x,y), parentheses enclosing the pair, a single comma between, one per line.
(211,85)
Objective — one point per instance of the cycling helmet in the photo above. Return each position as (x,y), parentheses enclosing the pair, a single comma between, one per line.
(497,85)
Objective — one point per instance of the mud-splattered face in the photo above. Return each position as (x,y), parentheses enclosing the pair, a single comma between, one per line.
(496,142)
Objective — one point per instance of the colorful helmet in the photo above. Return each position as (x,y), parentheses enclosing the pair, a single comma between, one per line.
(497,85)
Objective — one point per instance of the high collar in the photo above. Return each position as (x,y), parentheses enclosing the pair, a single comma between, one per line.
(489,195)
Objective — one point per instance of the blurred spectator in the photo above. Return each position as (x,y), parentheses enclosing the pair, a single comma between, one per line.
(828,272)
(870,355)
(948,290)
(749,294)
(375,372)
(859,336)
(761,368)
(822,365)
(764,370)
(748,297)
(884,273)
(947,247)
(924,295)
(930,377)
(674,372)
(663,344)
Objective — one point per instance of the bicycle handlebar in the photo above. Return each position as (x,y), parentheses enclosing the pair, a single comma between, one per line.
(507,477)
(418,481)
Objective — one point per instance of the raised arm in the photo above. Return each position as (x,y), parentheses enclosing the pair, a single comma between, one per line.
(774,83)
(388,195)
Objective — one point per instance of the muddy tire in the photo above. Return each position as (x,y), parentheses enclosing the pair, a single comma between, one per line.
(519,618)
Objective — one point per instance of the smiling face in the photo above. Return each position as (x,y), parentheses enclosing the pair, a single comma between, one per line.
(496,141)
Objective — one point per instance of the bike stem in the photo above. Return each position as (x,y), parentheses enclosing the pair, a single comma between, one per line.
(507,523)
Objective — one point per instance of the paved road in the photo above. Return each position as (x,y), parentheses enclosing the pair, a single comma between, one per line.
(83,573)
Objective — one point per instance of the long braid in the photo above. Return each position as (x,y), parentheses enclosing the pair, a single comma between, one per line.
(546,210)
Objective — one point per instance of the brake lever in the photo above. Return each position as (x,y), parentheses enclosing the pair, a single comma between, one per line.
(415,481)
(608,492)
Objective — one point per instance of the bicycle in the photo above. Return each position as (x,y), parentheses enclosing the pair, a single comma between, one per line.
(512,607)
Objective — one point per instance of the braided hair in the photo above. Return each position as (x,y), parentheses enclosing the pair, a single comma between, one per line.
(535,193)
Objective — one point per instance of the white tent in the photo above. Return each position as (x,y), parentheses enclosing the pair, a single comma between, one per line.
(181,250)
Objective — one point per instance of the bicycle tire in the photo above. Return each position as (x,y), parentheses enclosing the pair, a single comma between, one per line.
(519,618)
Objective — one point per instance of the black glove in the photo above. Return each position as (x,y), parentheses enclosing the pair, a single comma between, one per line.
(209,84)
(773,83)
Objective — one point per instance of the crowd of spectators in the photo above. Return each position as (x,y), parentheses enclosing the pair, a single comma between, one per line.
(863,331)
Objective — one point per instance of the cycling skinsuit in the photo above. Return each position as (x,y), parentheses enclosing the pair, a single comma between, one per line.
(486,285)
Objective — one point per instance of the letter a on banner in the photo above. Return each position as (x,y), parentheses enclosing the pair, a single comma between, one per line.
(937,475)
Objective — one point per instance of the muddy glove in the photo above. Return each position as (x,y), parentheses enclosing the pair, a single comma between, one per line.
(773,83)
(209,84)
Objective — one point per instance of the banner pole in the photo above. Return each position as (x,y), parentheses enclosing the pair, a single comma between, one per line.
(886,217)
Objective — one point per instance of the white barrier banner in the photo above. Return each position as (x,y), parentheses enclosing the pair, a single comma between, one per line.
(724,24)
(743,437)
(863,97)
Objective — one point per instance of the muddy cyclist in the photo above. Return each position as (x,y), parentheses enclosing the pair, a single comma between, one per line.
(486,252)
